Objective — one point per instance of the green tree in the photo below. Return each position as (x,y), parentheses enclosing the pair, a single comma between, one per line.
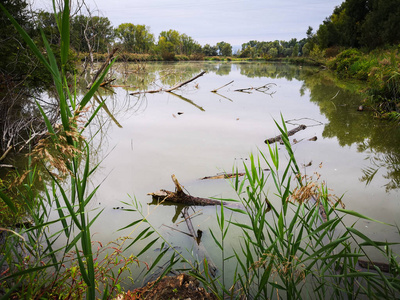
(173,37)
(225,49)
(188,46)
(135,38)
(166,48)
(296,49)
(91,33)
(273,52)
(381,25)
(210,50)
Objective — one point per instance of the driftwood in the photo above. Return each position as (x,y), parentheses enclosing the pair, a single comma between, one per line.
(370,265)
(214,91)
(278,138)
(180,197)
(5,153)
(223,176)
(172,88)
(107,82)
(110,56)
(263,89)
(8,166)
(185,82)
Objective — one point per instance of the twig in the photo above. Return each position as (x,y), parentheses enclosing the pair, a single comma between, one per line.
(214,91)
(5,153)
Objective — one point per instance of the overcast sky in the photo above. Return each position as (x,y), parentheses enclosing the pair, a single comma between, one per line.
(212,21)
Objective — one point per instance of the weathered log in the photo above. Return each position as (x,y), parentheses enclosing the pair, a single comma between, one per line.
(278,138)
(384,267)
(180,197)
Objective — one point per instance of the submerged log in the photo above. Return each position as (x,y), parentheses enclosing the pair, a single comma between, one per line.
(369,265)
(278,138)
(180,197)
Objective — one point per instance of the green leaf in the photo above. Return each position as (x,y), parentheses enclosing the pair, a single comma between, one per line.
(147,247)
(8,201)
(131,224)
(215,240)
(358,215)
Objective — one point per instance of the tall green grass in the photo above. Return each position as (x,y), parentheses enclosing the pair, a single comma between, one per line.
(294,241)
(64,155)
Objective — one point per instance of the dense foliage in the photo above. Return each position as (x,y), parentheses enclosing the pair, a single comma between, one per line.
(361,23)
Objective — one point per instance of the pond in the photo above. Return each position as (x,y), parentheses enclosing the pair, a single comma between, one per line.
(194,133)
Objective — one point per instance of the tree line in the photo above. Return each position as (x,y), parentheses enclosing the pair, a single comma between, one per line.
(365,24)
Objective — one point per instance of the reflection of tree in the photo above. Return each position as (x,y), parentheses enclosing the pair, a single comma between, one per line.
(224,69)
(278,70)
(380,141)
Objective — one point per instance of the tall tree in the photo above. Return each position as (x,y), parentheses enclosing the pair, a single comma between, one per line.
(135,38)
(209,50)
(225,49)
(91,33)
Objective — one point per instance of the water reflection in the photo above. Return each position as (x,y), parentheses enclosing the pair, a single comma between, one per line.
(337,101)
(379,140)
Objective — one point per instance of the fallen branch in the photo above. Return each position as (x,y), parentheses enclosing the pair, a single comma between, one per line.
(223,176)
(146,92)
(107,82)
(110,56)
(5,153)
(185,82)
(263,89)
(214,91)
(170,89)
(278,138)
(180,197)
(7,166)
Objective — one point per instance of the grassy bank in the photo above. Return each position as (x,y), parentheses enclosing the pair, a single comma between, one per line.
(380,69)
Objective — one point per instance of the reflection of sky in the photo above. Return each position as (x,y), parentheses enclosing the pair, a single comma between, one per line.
(155,142)
(206,21)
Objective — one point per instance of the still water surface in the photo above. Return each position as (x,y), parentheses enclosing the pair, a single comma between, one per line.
(196,133)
